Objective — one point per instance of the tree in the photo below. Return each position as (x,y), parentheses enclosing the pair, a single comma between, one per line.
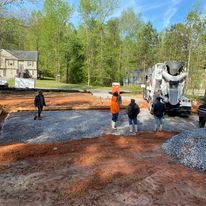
(174,43)
(196,24)
(5,3)
(12,33)
(94,13)
(146,46)
(74,57)
(12,30)
(130,27)
(47,30)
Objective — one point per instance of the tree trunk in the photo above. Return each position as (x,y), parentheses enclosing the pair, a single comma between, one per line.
(101,56)
(188,69)
(120,63)
(88,59)
(88,71)
(67,70)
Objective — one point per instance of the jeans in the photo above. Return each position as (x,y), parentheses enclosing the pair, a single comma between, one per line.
(40,108)
(132,121)
(202,121)
(115,117)
(159,121)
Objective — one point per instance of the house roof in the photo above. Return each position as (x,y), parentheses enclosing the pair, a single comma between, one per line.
(24,55)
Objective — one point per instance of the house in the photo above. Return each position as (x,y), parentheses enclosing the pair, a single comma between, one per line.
(14,61)
(134,77)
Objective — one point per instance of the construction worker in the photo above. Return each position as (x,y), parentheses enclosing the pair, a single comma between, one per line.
(202,115)
(158,111)
(39,102)
(132,112)
(115,108)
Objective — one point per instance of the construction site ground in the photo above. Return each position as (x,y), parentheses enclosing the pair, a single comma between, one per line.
(111,169)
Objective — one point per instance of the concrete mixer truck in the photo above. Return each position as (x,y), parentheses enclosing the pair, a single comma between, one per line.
(167,80)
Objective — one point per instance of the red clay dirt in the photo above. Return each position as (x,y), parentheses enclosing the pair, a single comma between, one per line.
(108,170)
(24,101)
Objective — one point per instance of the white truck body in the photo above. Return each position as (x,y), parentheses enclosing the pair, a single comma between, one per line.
(167,80)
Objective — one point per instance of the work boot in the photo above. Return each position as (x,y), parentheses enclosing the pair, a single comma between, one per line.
(39,118)
(135,128)
(35,117)
(130,128)
(114,125)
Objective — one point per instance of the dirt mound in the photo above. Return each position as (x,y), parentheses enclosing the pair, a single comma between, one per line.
(3,114)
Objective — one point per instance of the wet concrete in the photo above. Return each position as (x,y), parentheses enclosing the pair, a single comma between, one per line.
(57,126)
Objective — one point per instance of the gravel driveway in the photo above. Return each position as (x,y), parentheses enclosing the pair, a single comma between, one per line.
(66,125)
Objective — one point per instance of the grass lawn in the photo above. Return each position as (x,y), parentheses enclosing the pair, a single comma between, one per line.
(51,83)
(58,85)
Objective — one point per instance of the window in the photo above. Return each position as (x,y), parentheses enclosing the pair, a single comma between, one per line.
(10,62)
(29,63)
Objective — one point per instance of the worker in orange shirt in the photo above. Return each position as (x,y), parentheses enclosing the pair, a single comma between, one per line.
(115,108)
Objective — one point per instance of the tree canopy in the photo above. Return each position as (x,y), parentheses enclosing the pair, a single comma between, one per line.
(102,49)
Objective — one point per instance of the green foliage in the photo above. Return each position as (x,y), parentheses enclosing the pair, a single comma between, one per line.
(130,26)
(12,32)
(94,32)
(175,43)
(103,49)
(196,24)
(74,59)
(146,46)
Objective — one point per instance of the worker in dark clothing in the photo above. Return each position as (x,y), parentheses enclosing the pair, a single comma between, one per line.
(158,111)
(39,102)
(202,115)
(132,111)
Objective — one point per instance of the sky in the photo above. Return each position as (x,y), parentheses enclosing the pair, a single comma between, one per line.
(161,13)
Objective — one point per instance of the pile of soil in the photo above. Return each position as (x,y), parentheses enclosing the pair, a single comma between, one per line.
(111,170)
(3,114)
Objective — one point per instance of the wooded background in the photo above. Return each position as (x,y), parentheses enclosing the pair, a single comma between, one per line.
(102,49)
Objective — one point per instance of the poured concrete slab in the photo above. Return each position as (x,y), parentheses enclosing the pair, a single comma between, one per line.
(57,126)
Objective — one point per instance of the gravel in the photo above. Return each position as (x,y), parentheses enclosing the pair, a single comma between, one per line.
(57,126)
(189,147)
